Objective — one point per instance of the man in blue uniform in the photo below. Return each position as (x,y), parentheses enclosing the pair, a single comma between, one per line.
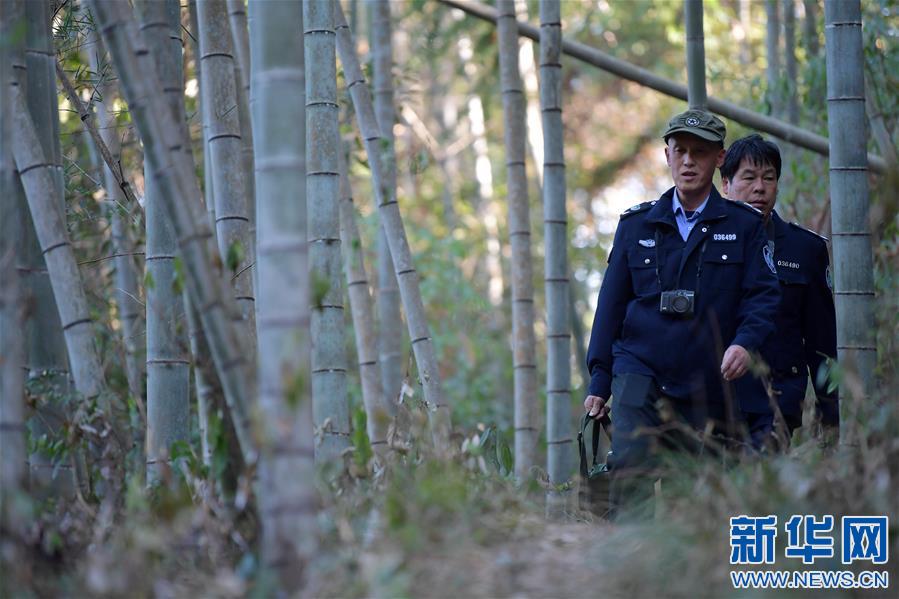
(689,291)
(806,321)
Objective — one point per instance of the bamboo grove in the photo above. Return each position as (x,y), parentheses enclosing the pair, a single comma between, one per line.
(273,320)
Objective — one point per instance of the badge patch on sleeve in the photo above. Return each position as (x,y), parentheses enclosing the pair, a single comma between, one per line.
(768,253)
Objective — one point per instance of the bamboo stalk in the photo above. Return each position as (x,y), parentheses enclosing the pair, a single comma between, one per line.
(125,273)
(14,465)
(559,436)
(625,70)
(524,351)
(159,132)
(790,66)
(286,494)
(46,346)
(772,57)
(329,394)
(853,275)
(237,15)
(37,177)
(390,321)
(377,406)
(407,276)
(221,123)
(696,92)
(168,366)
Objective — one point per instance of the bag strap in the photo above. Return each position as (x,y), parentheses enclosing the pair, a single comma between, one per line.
(598,423)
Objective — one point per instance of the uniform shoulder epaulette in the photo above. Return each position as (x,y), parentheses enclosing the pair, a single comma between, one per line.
(810,232)
(638,208)
(746,206)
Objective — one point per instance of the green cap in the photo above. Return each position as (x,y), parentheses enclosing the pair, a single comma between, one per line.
(699,123)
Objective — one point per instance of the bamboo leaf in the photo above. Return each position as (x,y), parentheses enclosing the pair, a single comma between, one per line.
(235,256)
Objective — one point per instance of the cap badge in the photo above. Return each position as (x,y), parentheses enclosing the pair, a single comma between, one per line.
(692,121)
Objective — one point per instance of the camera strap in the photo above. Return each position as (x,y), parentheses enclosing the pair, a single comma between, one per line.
(658,243)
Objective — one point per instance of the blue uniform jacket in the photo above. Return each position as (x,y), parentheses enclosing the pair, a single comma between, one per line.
(737,295)
(806,332)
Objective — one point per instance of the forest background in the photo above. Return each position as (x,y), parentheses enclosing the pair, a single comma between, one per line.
(414,523)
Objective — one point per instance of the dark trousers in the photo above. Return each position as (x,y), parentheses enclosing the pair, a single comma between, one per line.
(643,423)
(765,433)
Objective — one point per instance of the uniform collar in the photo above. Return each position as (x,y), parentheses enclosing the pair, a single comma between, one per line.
(781,228)
(676,205)
(663,209)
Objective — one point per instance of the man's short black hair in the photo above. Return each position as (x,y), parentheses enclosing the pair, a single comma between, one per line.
(759,152)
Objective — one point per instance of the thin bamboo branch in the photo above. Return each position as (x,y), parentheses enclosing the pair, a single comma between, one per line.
(87,117)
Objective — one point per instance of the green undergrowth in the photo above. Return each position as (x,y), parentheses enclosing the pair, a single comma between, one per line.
(410,524)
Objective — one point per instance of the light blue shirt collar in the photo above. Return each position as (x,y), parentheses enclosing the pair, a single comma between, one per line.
(684,224)
(677,206)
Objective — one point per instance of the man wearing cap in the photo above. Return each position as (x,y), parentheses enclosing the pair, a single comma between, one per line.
(689,291)
(806,330)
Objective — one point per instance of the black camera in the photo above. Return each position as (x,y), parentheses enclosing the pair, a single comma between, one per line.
(678,302)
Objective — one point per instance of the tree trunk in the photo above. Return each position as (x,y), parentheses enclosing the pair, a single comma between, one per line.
(168,367)
(853,263)
(329,393)
(287,493)
(523,340)
(377,407)
(391,221)
(555,227)
(772,53)
(390,332)
(696,92)
(159,131)
(221,123)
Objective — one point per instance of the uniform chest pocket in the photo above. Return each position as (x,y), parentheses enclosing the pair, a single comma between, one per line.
(790,276)
(792,291)
(643,265)
(723,265)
